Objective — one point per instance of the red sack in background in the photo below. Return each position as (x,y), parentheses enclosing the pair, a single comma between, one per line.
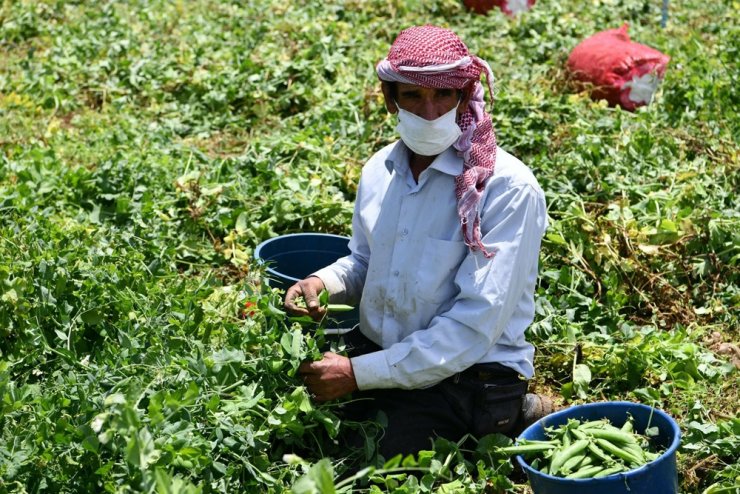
(623,72)
(508,7)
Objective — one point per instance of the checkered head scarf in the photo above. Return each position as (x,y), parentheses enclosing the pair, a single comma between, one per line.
(435,57)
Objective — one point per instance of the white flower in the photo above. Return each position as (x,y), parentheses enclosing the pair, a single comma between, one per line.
(98,421)
(642,88)
(292,459)
(517,6)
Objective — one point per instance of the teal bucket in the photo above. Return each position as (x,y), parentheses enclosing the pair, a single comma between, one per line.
(290,258)
(657,477)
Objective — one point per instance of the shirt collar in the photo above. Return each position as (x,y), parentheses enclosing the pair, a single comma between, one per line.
(447,162)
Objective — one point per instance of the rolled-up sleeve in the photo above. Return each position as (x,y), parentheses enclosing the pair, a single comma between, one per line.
(344,279)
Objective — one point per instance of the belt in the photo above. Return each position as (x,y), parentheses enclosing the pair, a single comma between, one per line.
(490,371)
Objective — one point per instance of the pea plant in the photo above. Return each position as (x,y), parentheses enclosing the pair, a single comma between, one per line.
(148,147)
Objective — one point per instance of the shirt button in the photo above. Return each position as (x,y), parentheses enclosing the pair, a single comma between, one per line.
(405,232)
(396,273)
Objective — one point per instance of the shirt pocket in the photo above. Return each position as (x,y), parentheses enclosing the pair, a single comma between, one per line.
(440,260)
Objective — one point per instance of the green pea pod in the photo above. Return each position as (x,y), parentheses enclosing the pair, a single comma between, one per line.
(579,434)
(650,456)
(615,436)
(339,308)
(618,452)
(571,464)
(528,448)
(586,461)
(636,450)
(593,424)
(609,471)
(628,426)
(586,472)
(560,457)
(600,454)
(567,441)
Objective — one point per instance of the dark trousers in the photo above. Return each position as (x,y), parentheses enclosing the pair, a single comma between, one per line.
(484,399)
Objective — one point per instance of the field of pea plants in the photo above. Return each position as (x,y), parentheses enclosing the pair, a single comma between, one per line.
(148,146)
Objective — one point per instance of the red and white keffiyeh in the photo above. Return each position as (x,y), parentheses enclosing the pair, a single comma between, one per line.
(431,56)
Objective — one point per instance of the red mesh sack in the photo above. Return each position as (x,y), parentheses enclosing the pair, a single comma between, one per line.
(508,7)
(621,71)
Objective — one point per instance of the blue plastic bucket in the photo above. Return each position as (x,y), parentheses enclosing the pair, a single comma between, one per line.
(657,477)
(290,258)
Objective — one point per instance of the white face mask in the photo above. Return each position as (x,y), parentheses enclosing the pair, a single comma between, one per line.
(428,137)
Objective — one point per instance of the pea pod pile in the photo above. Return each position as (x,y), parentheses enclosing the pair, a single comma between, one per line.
(580,450)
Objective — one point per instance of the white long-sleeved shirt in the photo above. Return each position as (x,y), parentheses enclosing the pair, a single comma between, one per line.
(435,307)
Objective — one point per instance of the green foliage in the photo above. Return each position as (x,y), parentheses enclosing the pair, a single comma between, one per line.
(147,147)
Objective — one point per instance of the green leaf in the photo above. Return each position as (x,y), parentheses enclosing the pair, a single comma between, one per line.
(556,238)
(92,316)
(581,380)
(318,480)
(490,442)
(567,390)
(454,487)
(115,399)
(241,223)
(226,356)
(140,450)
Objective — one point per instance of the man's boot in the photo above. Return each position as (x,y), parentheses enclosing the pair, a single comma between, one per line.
(534,407)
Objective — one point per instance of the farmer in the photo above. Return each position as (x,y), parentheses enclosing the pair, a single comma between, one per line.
(445,242)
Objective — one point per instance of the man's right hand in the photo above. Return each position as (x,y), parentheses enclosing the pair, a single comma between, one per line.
(308,288)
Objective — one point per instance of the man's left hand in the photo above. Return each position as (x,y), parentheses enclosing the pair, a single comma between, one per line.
(328,378)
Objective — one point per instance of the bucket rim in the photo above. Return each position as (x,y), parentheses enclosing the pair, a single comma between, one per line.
(568,412)
(298,234)
(266,263)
